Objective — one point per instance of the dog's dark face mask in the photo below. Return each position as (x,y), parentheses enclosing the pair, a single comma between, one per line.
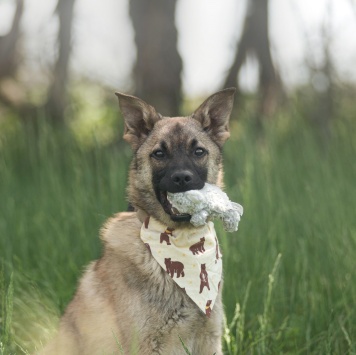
(179,164)
(173,154)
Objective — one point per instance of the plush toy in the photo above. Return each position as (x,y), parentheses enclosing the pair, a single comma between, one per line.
(208,203)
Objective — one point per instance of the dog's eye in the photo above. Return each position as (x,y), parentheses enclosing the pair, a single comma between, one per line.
(199,152)
(159,154)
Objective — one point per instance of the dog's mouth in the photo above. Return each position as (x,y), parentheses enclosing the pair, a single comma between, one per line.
(170,210)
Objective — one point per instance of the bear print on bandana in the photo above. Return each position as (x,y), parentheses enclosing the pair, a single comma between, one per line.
(198,247)
(204,280)
(173,267)
(165,236)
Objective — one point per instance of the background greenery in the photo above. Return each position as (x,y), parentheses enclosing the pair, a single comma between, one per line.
(290,282)
(290,269)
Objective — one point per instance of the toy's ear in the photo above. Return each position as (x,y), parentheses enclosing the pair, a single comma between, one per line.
(214,114)
(139,117)
(238,208)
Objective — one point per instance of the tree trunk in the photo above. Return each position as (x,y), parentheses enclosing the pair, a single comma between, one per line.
(8,44)
(158,65)
(255,40)
(325,77)
(57,100)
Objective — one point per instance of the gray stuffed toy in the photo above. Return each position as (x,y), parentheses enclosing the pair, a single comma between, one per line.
(208,203)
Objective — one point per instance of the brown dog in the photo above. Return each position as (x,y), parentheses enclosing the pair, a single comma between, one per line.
(126,300)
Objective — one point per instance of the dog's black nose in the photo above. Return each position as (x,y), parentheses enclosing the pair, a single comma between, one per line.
(182,178)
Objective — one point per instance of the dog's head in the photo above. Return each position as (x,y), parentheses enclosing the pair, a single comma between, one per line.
(174,154)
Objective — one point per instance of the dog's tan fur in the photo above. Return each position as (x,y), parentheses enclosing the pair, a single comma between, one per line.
(125,297)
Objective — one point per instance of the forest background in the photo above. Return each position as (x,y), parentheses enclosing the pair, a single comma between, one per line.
(290,285)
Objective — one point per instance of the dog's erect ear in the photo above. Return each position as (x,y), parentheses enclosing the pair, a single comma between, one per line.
(139,117)
(214,114)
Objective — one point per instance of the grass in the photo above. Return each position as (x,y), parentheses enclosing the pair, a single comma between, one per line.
(290,281)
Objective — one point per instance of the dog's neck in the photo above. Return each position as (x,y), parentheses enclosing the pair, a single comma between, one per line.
(141,215)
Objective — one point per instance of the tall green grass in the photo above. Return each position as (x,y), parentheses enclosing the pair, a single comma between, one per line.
(299,197)
(290,281)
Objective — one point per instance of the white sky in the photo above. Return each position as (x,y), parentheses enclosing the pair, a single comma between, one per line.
(104,48)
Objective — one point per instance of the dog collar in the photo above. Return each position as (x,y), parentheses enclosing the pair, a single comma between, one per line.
(191,256)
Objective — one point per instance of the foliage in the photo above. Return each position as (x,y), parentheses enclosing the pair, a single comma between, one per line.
(290,285)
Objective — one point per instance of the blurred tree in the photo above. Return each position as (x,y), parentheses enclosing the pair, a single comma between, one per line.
(57,100)
(353,5)
(8,44)
(323,79)
(254,40)
(158,65)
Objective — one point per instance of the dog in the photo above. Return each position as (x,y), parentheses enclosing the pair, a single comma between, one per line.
(126,301)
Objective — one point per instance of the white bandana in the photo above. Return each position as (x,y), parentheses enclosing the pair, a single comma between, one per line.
(191,257)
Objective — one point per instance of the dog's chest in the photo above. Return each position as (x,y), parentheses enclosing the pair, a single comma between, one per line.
(171,316)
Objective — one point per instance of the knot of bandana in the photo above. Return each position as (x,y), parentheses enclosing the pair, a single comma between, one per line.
(191,256)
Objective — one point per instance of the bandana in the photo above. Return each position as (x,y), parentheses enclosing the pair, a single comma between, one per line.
(190,256)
